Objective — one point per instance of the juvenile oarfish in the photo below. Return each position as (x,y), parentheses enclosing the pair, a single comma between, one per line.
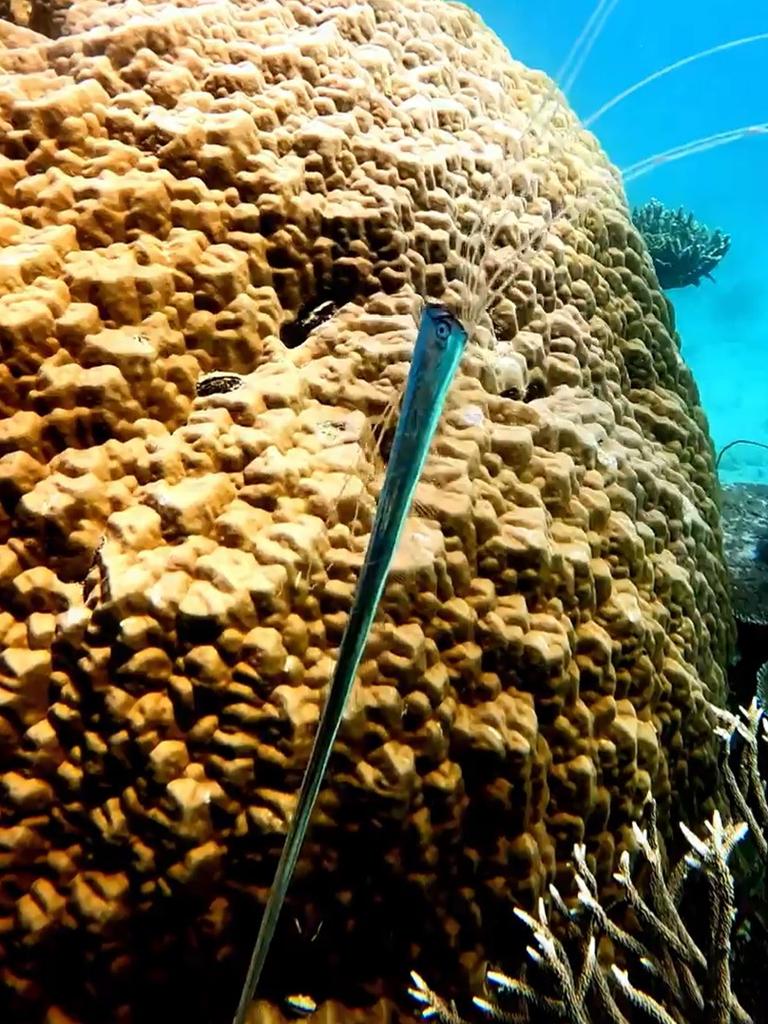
(436,354)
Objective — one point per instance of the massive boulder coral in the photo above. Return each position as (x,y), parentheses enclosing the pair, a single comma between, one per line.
(217,222)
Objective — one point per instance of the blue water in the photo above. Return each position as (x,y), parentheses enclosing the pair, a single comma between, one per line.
(724,326)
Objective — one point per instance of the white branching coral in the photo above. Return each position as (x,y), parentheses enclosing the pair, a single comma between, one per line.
(586,967)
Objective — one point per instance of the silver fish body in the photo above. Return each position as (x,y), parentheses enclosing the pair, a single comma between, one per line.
(436,355)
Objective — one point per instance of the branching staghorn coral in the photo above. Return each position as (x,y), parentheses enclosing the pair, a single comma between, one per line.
(675,977)
(741,766)
(683,251)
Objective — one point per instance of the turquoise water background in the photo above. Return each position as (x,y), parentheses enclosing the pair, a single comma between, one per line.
(724,326)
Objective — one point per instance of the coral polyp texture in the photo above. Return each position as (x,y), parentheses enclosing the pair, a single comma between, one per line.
(218,221)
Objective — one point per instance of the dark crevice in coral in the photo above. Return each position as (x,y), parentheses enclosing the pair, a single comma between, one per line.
(217,383)
(311,315)
(44,16)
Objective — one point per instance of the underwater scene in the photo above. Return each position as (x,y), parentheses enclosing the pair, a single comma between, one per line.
(383,512)
(716,103)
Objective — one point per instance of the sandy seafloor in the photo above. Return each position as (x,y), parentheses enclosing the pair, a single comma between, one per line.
(724,325)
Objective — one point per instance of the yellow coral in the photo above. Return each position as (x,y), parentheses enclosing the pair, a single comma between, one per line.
(179,186)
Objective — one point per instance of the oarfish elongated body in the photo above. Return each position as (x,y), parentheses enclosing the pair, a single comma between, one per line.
(436,355)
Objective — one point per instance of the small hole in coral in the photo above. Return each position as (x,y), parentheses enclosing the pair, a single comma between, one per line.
(535,389)
(206,303)
(311,315)
(217,383)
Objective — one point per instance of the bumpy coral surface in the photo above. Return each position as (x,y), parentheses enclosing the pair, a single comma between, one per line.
(217,222)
